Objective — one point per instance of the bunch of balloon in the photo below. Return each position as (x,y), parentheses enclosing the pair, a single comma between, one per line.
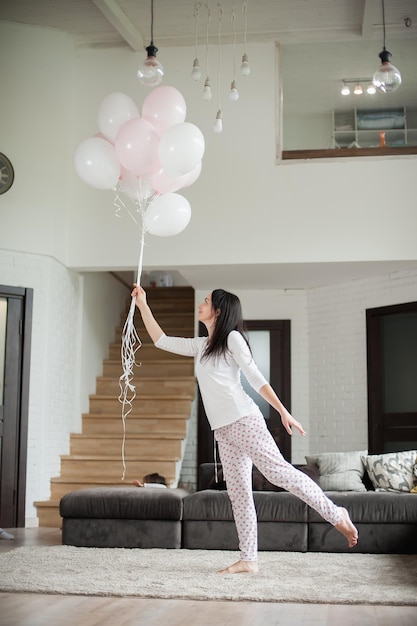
(145,159)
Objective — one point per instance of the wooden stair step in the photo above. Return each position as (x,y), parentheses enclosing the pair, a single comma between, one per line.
(173,405)
(166,319)
(59,489)
(147,352)
(152,385)
(163,367)
(113,425)
(140,446)
(74,467)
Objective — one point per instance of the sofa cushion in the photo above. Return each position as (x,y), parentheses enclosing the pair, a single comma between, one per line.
(123,503)
(271,507)
(207,478)
(340,471)
(392,471)
(374,507)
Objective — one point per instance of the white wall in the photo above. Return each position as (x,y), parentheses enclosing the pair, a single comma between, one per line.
(36,78)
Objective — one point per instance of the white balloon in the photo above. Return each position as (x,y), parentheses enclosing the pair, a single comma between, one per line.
(167,215)
(114,111)
(181,148)
(96,163)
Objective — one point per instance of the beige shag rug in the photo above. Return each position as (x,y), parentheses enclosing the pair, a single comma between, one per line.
(191,574)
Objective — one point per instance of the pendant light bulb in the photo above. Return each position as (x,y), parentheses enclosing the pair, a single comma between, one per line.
(358,90)
(387,78)
(345,91)
(207,89)
(218,125)
(196,72)
(151,72)
(234,93)
(244,68)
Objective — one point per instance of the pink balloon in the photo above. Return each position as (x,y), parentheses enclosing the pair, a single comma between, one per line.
(136,146)
(162,183)
(164,106)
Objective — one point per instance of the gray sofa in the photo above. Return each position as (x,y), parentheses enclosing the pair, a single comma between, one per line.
(173,518)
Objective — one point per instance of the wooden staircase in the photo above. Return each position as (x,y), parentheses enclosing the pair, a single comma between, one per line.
(157,424)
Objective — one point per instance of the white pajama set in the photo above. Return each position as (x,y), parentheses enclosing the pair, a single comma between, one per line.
(242,435)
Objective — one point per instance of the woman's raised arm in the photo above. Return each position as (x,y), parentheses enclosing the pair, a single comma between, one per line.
(151,325)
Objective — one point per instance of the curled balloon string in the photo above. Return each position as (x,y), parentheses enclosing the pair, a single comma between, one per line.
(129,346)
(119,205)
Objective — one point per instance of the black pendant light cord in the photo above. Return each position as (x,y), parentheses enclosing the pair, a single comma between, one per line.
(152,25)
(151,49)
(383,19)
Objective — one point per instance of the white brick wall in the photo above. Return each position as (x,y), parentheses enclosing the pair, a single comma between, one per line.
(60,379)
(53,402)
(337,363)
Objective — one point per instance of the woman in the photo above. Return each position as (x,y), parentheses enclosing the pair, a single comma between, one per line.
(239,427)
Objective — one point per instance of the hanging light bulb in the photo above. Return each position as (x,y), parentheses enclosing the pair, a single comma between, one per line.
(151,72)
(218,125)
(196,72)
(245,68)
(207,89)
(357,90)
(234,93)
(345,91)
(387,77)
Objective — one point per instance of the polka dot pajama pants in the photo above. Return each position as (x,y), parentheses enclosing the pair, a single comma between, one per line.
(248,441)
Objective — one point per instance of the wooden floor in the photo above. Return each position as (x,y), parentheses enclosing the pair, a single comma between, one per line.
(26,609)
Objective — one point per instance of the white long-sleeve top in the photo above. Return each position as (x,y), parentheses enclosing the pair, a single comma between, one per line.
(224,398)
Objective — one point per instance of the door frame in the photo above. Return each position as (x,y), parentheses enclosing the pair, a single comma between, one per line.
(378,421)
(280,380)
(16,396)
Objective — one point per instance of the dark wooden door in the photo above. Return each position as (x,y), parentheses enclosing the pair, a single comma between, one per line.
(392,377)
(15,334)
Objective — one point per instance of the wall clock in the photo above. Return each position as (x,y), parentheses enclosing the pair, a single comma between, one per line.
(6,174)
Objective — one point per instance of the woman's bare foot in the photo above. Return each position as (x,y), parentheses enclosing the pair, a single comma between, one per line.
(348,530)
(137,483)
(241,567)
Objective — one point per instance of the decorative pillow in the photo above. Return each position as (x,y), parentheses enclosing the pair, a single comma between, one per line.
(392,471)
(340,471)
(414,489)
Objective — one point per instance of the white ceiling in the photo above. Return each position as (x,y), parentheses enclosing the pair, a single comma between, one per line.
(127,23)
(107,23)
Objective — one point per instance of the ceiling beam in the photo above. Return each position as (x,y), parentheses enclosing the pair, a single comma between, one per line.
(119,20)
(367,30)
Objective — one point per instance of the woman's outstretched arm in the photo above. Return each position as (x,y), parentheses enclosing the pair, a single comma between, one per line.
(151,325)
(287,419)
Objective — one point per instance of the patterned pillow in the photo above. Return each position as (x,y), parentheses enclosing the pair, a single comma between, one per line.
(392,471)
(340,471)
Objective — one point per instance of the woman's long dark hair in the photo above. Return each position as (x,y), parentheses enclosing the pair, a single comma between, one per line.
(229,318)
